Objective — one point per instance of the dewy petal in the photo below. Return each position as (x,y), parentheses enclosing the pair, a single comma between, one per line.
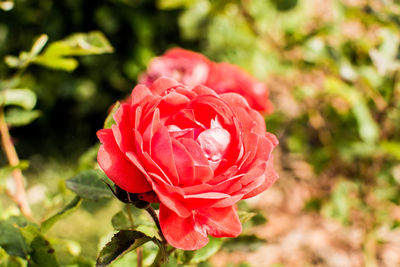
(181,232)
(117,167)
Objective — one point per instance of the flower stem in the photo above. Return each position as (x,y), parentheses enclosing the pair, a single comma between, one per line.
(20,196)
(154,216)
(139,250)
(130,217)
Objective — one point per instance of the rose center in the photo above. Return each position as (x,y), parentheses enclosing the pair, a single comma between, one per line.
(214,142)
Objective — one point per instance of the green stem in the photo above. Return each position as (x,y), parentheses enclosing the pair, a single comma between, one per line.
(162,255)
(139,250)
(130,217)
(154,216)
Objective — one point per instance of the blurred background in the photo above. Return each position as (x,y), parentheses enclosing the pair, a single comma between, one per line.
(332,68)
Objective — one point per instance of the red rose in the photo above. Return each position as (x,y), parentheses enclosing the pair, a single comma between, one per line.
(192,68)
(185,66)
(226,78)
(198,151)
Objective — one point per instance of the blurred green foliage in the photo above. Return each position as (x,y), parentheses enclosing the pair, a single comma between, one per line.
(332,68)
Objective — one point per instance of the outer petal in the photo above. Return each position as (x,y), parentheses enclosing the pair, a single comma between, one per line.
(185,54)
(270,177)
(220,222)
(235,99)
(122,131)
(239,81)
(139,93)
(162,84)
(181,232)
(191,233)
(117,167)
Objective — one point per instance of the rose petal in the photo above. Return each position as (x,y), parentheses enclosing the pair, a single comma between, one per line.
(220,222)
(162,154)
(139,93)
(214,142)
(122,131)
(181,232)
(270,177)
(170,196)
(184,163)
(117,167)
(172,103)
(235,99)
(162,84)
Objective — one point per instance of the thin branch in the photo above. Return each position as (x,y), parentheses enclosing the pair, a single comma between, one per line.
(139,257)
(20,196)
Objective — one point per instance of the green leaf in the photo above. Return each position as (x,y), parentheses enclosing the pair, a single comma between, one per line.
(39,44)
(122,242)
(245,216)
(192,19)
(22,97)
(90,184)
(68,209)
(54,62)
(29,232)
(80,44)
(110,119)
(183,257)
(25,58)
(243,243)
(12,61)
(12,241)
(120,221)
(67,251)
(88,159)
(18,117)
(391,148)
(342,201)
(172,4)
(42,254)
(209,250)
(367,127)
